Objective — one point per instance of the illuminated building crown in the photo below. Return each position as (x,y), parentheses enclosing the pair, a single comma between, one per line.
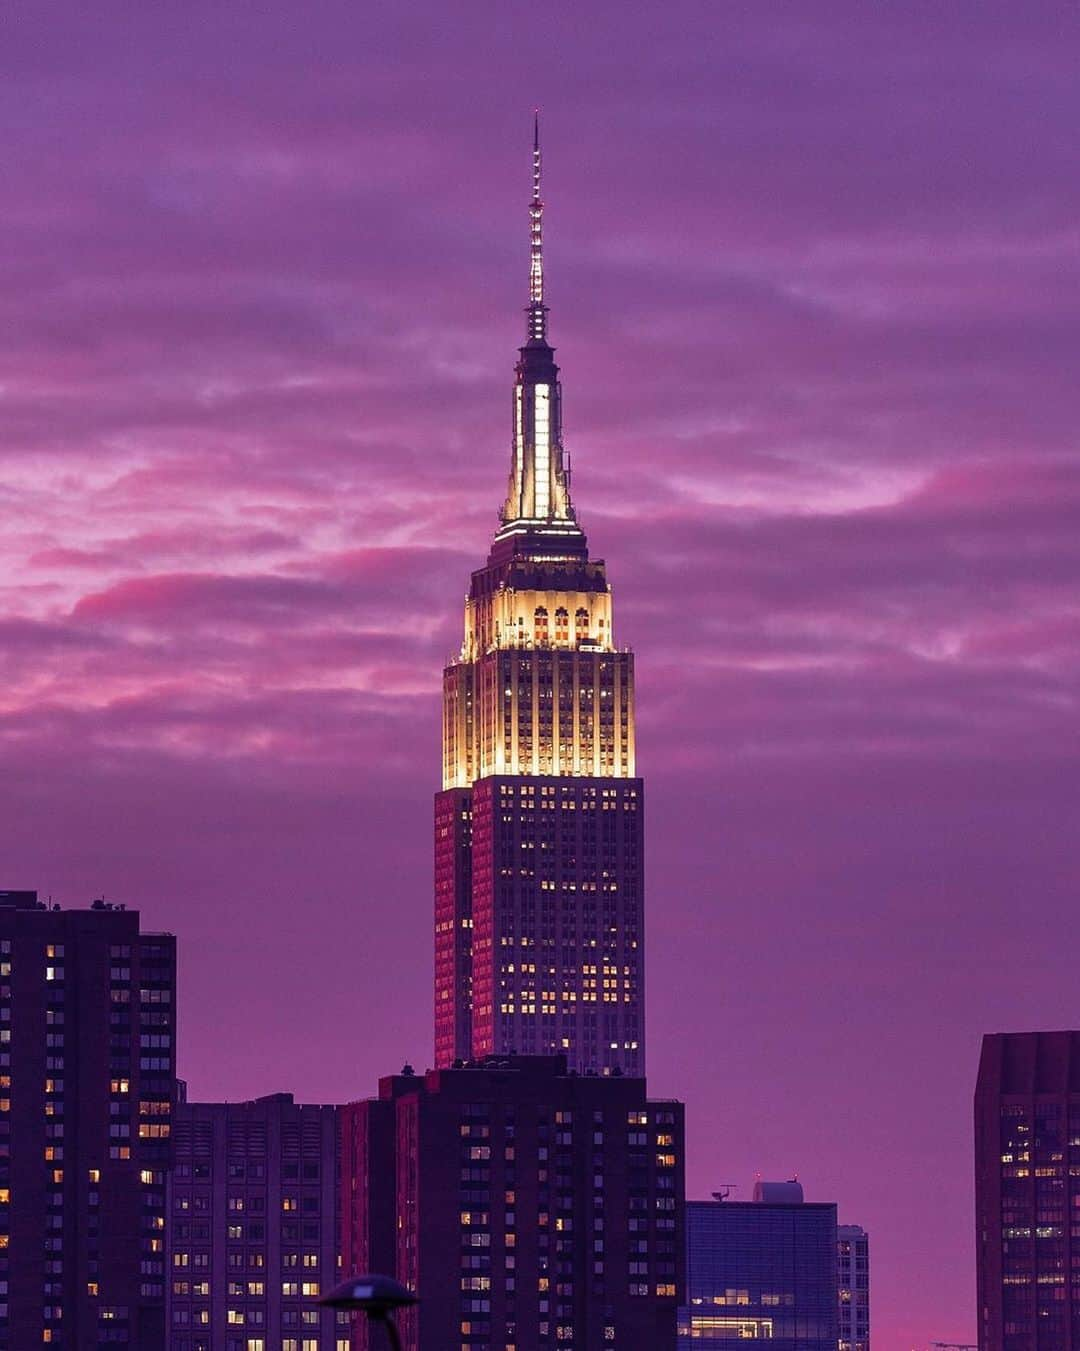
(540,686)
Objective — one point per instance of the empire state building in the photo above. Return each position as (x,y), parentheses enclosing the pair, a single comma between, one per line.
(538,826)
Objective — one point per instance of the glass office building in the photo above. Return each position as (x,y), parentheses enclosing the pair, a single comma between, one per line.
(761,1270)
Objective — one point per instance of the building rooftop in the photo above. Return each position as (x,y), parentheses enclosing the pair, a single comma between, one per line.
(1025,1063)
(21,900)
(788,1193)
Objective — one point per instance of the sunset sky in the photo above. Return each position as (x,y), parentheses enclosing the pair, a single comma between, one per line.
(815,289)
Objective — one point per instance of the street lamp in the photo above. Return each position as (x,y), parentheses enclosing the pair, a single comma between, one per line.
(378,1296)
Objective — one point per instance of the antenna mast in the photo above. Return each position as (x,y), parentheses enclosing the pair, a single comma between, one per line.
(537,328)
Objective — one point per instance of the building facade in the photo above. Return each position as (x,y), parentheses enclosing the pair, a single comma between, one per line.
(538,827)
(853,1272)
(1027,1191)
(252,1227)
(531,1207)
(761,1270)
(87,1083)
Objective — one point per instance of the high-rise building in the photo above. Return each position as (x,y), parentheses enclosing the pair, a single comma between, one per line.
(87,1082)
(762,1269)
(531,1208)
(252,1228)
(538,827)
(853,1272)
(1027,1191)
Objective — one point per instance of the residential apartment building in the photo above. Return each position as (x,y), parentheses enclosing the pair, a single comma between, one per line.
(252,1227)
(87,1082)
(532,1207)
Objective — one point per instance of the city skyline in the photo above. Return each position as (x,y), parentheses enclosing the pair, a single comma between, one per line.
(812,287)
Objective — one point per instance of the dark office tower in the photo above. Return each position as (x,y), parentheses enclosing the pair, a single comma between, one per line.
(87,1083)
(532,1209)
(538,828)
(853,1270)
(253,1237)
(1027,1191)
(762,1269)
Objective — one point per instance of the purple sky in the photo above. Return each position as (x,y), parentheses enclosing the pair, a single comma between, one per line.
(814,281)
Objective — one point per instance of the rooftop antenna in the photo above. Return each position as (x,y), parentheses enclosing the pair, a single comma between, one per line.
(537,327)
(726,1188)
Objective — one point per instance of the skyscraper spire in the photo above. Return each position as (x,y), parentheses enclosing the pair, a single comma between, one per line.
(538,515)
(537,326)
